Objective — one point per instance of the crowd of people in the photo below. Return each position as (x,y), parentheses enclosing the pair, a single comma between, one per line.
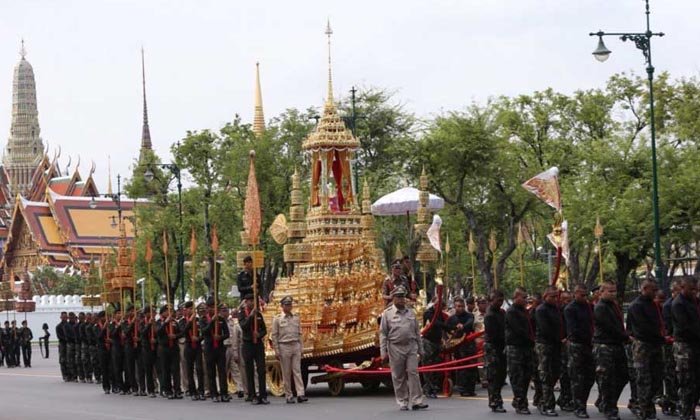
(16,341)
(192,351)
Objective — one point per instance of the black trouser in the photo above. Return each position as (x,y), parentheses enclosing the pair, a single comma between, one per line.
(95,362)
(9,354)
(78,360)
(105,357)
(27,354)
(130,367)
(46,347)
(254,356)
(169,366)
(117,364)
(193,358)
(216,362)
(148,360)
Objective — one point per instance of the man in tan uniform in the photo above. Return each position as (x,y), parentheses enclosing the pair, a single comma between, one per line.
(401,345)
(286,340)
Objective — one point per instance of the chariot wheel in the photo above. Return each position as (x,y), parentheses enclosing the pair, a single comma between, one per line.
(337,384)
(274,378)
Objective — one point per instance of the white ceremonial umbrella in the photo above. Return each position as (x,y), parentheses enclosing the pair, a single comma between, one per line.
(404,201)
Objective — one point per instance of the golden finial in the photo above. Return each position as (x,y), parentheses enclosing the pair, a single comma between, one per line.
(22,50)
(493,245)
(109,175)
(365,190)
(520,238)
(598,231)
(423,180)
(296,180)
(329,32)
(258,117)
(472,244)
(398,254)
(447,244)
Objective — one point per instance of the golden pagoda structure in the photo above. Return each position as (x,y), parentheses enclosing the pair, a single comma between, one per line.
(119,278)
(426,254)
(335,274)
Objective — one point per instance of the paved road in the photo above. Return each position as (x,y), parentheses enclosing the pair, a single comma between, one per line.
(39,393)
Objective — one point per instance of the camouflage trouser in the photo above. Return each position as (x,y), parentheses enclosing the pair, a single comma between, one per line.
(669,400)
(549,370)
(565,398)
(86,362)
(632,377)
(495,365)
(521,366)
(688,374)
(431,380)
(63,360)
(649,376)
(581,372)
(536,382)
(95,362)
(70,361)
(78,362)
(611,373)
(465,379)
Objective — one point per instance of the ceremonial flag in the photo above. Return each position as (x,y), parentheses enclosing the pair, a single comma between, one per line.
(214,240)
(433,232)
(546,187)
(251,214)
(193,243)
(149,251)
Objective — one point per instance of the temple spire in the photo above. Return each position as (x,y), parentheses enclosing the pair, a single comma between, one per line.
(259,116)
(109,175)
(329,32)
(146,131)
(22,50)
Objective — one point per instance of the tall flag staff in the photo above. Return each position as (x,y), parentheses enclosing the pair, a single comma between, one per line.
(193,254)
(493,247)
(215,250)
(149,258)
(251,225)
(472,250)
(521,254)
(167,286)
(598,232)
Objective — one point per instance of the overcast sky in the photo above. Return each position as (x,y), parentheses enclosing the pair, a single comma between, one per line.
(200,58)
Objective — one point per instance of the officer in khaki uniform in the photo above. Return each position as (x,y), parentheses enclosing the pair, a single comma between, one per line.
(286,340)
(401,345)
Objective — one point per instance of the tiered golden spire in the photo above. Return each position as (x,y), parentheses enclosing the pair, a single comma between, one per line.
(329,97)
(259,117)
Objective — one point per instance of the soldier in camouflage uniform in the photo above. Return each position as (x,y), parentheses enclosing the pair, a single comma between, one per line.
(669,400)
(686,347)
(520,340)
(85,347)
(70,348)
(632,376)
(432,340)
(78,361)
(645,323)
(92,332)
(494,350)
(579,327)
(548,348)
(565,400)
(609,340)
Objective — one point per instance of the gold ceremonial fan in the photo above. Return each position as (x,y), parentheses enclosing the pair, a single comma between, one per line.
(278,229)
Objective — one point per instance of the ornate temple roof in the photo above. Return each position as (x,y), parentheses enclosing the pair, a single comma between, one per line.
(331,132)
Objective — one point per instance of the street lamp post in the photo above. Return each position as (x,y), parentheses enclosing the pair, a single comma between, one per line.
(642,40)
(148,175)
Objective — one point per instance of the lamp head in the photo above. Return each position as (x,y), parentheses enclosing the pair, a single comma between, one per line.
(601,53)
(148,175)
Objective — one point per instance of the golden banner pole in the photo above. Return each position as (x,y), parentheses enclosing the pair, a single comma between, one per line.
(598,232)
(493,246)
(521,254)
(472,250)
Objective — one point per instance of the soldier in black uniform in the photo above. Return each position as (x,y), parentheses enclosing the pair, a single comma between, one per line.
(645,324)
(215,331)
(25,340)
(432,341)
(193,352)
(461,324)
(253,349)
(92,333)
(78,354)
(63,346)
(130,335)
(148,351)
(168,332)
(686,346)
(70,348)
(609,340)
(116,360)
(86,360)
(520,340)
(565,400)
(548,348)
(244,282)
(104,346)
(533,303)
(494,350)
(579,326)
(15,340)
(5,341)
(669,402)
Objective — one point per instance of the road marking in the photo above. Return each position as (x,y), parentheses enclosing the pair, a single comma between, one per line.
(35,375)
